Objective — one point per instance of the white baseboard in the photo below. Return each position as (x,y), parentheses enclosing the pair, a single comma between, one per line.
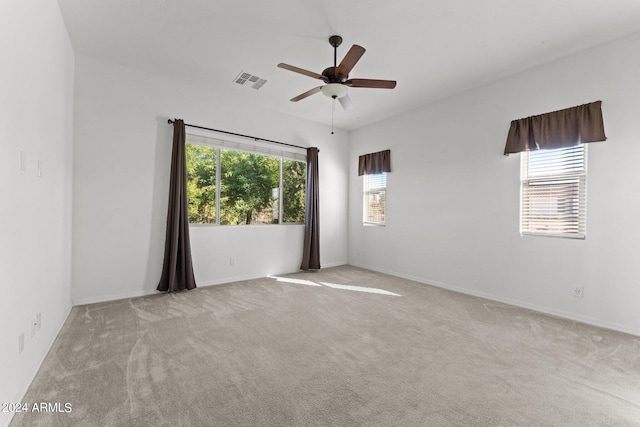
(523,304)
(257,276)
(114,297)
(517,303)
(145,292)
(232,280)
(26,384)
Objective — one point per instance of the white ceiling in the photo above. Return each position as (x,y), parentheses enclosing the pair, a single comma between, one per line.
(433,48)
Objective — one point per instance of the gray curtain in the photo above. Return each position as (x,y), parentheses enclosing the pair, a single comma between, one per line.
(177,268)
(558,129)
(311,246)
(374,163)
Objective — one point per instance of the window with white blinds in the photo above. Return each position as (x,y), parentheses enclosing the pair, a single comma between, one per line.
(375,198)
(553,192)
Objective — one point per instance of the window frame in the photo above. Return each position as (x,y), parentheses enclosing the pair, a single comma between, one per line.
(550,179)
(367,190)
(227,145)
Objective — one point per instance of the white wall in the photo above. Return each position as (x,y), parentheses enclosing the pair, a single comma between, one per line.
(122,153)
(453,198)
(36,117)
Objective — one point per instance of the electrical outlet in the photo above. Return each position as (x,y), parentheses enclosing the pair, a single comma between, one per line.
(21,343)
(39,320)
(232,261)
(578,291)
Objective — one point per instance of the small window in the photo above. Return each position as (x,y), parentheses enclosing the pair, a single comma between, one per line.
(553,192)
(375,198)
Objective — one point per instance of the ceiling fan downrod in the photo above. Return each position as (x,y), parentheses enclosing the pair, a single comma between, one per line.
(335,41)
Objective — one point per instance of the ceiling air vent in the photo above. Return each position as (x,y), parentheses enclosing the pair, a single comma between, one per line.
(246,79)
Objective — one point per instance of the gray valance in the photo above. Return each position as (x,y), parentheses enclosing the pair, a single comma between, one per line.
(558,129)
(373,163)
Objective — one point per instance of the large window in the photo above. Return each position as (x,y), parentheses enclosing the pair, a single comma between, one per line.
(553,192)
(375,198)
(231,187)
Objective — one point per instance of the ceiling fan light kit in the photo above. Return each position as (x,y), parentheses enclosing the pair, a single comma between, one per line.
(336,78)
(334,90)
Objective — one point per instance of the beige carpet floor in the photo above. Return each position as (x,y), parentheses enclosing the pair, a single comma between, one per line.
(332,348)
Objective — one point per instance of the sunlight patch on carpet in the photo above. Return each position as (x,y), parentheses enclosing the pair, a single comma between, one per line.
(335,286)
(295,281)
(360,289)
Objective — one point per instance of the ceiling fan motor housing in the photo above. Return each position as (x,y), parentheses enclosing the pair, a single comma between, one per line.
(332,77)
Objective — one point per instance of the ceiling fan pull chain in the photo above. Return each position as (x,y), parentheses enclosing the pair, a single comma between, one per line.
(333,112)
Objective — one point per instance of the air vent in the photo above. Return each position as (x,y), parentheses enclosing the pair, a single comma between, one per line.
(249,80)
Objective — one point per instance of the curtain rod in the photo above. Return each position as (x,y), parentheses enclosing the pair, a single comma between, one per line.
(239,134)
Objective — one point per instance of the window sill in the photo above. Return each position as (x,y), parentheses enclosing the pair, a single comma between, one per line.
(560,235)
(246,225)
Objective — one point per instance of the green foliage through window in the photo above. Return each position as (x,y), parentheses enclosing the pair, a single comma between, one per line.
(294,183)
(201,183)
(248,187)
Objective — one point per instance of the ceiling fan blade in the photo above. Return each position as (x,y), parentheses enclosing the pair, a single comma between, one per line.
(307,93)
(345,101)
(302,71)
(350,60)
(370,83)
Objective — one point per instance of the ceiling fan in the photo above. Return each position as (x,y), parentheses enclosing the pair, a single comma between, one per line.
(336,78)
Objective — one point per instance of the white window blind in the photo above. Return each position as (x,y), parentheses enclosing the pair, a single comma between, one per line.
(375,198)
(553,192)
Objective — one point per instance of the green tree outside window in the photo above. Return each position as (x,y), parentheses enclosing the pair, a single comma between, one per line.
(248,189)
